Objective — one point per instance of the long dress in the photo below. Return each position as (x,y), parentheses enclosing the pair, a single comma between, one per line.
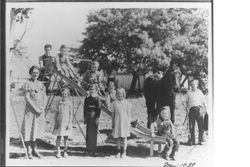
(92,104)
(63,118)
(121,118)
(33,125)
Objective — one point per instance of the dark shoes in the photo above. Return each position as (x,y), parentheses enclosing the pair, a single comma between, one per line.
(36,154)
(168,158)
(92,154)
(30,156)
(190,142)
(171,156)
(165,156)
(121,153)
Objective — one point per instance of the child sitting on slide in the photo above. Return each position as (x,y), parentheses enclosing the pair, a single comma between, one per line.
(64,65)
(164,127)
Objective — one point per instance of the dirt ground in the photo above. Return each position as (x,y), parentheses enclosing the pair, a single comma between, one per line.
(138,149)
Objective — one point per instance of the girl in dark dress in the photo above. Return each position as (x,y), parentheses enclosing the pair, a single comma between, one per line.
(92,110)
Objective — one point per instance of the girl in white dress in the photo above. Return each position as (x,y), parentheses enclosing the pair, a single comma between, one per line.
(63,122)
(121,110)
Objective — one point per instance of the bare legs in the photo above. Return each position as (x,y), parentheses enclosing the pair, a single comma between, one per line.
(58,141)
(28,147)
(58,153)
(122,151)
(31,147)
(34,149)
(65,146)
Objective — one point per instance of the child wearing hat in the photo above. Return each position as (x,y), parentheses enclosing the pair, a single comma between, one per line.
(164,127)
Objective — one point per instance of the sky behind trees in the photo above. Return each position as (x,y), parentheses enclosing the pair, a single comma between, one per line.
(64,23)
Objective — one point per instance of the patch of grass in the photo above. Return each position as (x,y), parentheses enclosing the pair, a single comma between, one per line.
(137,147)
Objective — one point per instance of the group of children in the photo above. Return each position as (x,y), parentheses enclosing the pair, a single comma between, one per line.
(121,117)
(121,110)
(116,102)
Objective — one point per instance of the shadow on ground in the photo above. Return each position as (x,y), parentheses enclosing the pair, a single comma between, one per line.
(139,150)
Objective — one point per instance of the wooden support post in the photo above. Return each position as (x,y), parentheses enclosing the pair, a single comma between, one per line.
(18,128)
(151,148)
(159,147)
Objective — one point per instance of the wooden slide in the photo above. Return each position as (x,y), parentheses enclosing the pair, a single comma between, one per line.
(138,130)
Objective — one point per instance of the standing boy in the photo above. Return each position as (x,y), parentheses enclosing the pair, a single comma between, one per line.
(197,108)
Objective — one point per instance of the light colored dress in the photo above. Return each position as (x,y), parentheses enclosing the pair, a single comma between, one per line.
(63,118)
(33,124)
(121,118)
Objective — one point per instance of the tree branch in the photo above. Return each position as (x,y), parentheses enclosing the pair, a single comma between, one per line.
(19,40)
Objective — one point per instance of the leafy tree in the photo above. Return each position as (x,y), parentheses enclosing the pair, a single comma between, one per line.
(138,40)
(19,16)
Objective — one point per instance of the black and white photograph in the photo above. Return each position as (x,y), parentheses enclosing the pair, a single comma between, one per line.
(109,84)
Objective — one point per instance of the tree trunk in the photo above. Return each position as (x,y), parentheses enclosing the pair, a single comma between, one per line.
(12,27)
(139,83)
(134,81)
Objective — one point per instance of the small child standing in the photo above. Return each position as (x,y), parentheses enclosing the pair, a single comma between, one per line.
(164,127)
(63,122)
(92,111)
(121,110)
